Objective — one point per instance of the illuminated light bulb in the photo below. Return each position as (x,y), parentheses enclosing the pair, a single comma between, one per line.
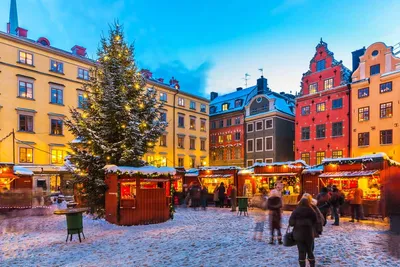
(137,86)
(106,58)
(117,38)
(84,115)
(108,158)
(127,107)
(149,143)
(123,126)
(85,95)
(89,142)
(141,105)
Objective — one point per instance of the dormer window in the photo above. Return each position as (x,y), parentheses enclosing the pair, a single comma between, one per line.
(212,110)
(238,103)
(321,65)
(225,107)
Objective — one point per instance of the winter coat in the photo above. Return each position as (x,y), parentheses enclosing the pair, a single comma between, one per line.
(319,226)
(357,196)
(304,220)
(215,197)
(323,201)
(203,196)
(337,199)
(195,193)
(228,191)
(221,191)
(274,205)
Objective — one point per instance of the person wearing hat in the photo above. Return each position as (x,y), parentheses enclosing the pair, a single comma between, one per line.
(274,205)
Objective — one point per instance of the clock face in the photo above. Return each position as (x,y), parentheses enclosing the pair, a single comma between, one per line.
(259,99)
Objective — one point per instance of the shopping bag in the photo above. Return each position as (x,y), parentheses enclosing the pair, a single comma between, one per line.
(288,240)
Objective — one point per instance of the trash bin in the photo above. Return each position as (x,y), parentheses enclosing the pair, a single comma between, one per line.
(243,205)
(74,221)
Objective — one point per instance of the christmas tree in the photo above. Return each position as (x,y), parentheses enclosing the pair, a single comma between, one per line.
(120,119)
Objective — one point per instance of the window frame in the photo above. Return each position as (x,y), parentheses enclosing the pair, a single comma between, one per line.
(163,97)
(182,138)
(228,122)
(385,91)
(237,121)
(192,126)
(203,144)
(163,140)
(272,143)
(247,145)
(384,136)
(236,135)
(83,72)
(386,109)
(225,107)
(363,111)
(250,160)
(203,108)
(319,128)
(203,125)
(363,135)
(303,132)
(337,156)
(58,63)
(311,86)
(318,65)
(81,94)
(252,127)
(333,129)
(341,103)
(266,124)
(319,105)
(192,143)
(372,66)
(26,60)
(330,82)
(305,110)
(361,90)
(57,89)
(192,105)
(220,139)
(26,82)
(320,156)
(26,154)
(181,116)
(59,120)
(305,159)
(26,124)
(262,144)
(257,124)
(57,162)
(181,101)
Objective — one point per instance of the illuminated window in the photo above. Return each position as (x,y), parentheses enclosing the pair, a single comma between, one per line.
(305,110)
(25,155)
(269,160)
(363,139)
(203,125)
(220,139)
(228,137)
(163,161)
(57,96)
(238,152)
(386,137)
(321,131)
(57,156)
(250,163)
(386,110)
(192,143)
(150,160)
(56,66)
(180,162)
(163,140)
(83,74)
(321,107)
(306,157)
(181,101)
(225,107)
(181,142)
(313,88)
(228,153)
(25,58)
(328,84)
(202,144)
(337,154)
(192,162)
(192,123)
(320,157)
(363,92)
(363,114)
(56,127)
(25,90)
(82,99)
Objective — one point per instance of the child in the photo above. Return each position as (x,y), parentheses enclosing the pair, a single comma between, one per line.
(274,205)
(259,229)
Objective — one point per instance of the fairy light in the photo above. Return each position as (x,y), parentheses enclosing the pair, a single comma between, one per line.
(84,115)
(108,157)
(127,107)
(85,95)
(89,142)
(123,126)
(141,105)
(117,38)
(137,86)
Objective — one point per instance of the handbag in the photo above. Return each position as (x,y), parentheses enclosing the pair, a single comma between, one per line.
(288,239)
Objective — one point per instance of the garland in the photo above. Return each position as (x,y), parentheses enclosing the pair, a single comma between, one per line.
(118,202)
(140,175)
(171,204)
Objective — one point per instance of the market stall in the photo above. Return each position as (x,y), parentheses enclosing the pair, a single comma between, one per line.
(370,173)
(310,180)
(138,195)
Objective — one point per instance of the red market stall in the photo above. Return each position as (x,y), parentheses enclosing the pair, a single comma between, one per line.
(212,177)
(310,180)
(138,195)
(372,173)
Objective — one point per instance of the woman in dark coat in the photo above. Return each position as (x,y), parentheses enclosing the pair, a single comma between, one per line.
(303,219)
(274,204)
(204,195)
(323,204)
(221,195)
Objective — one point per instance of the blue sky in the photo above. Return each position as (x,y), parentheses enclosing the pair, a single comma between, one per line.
(209,45)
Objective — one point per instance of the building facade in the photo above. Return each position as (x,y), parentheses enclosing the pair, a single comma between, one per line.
(375,102)
(323,109)
(227,147)
(186,140)
(269,125)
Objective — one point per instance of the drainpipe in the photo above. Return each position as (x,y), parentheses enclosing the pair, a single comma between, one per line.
(349,118)
(173,130)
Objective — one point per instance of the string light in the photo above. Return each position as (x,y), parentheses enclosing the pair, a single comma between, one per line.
(123,126)
(89,142)
(108,158)
(141,105)
(137,86)
(127,107)
(117,38)
(84,115)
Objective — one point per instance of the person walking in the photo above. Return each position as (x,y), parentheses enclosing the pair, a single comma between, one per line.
(303,220)
(215,196)
(233,198)
(319,226)
(221,195)
(195,195)
(203,197)
(336,201)
(228,194)
(260,223)
(356,200)
(274,205)
(323,202)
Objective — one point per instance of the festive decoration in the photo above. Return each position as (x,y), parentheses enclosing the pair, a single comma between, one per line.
(108,127)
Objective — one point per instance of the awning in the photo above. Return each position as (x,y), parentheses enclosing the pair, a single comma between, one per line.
(216,176)
(349,174)
(277,174)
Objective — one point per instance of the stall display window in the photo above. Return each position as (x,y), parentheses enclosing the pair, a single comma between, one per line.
(211,183)
(150,185)
(4,184)
(370,186)
(128,190)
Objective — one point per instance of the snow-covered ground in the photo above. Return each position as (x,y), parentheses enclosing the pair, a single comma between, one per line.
(216,237)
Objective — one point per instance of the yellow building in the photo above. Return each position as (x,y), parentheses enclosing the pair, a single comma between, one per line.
(375,98)
(185,143)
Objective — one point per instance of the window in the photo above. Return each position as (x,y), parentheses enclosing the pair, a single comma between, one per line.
(192,123)
(203,125)
(181,141)
(320,157)
(163,162)
(228,153)
(321,65)
(337,129)
(57,156)
(363,139)
(25,58)
(328,84)
(250,163)
(269,160)
(163,116)
(220,139)
(363,114)
(313,88)
(25,90)
(163,96)
(237,120)
(385,87)
(212,110)
(259,161)
(250,145)
(363,92)
(181,121)
(228,137)
(386,137)
(56,96)
(181,101)
(374,69)
(259,144)
(220,154)
(238,152)
(337,103)
(305,133)
(180,162)
(221,124)
(213,125)
(25,155)
(213,139)
(192,143)
(321,107)
(238,103)
(305,110)
(150,159)
(268,143)
(192,162)
(203,108)
(56,66)
(259,126)
(250,127)
(82,99)
(202,144)
(228,122)
(83,74)
(306,157)
(25,123)
(268,124)
(321,131)
(386,110)
(225,107)
(337,154)
(193,105)
(237,136)
(56,127)
(163,140)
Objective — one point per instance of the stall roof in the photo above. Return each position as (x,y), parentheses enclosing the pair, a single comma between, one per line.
(313,169)
(246,171)
(192,172)
(277,174)
(149,170)
(18,170)
(290,164)
(366,158)
(216,176)
(349,174)
(216,168)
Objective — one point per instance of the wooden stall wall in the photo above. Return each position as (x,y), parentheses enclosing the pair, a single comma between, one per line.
(391,188)
(311,184)
(111,200)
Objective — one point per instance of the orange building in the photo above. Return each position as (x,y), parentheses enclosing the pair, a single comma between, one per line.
(375,98)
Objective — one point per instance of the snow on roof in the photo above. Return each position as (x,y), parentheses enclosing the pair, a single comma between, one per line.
(313,169)
(246,171)
(18,170)
(230,99)
(150,170)
(349,174)
(216,168)
(192,172)
(76,141)
(290,164)
(364,158)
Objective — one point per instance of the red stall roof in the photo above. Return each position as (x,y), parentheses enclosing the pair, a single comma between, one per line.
(349,174)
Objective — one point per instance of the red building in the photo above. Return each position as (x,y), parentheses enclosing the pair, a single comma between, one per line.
(323,109)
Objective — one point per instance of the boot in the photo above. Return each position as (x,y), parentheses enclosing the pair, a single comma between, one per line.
(271,241)
(302,263)
(312,262)
(280,240)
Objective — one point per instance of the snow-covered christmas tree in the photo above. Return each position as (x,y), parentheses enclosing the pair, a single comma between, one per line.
(120,119)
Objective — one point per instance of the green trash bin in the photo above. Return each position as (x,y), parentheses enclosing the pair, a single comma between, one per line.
(243,205)
(74,222)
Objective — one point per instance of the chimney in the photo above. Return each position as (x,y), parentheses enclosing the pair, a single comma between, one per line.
(213,96)
(146,73)
(356,57)
(262,85)
(239,89)
(12,25)
(174,83)
(21,32)
(78,51)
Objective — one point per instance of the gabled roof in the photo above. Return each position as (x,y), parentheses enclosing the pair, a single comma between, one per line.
(230,99)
